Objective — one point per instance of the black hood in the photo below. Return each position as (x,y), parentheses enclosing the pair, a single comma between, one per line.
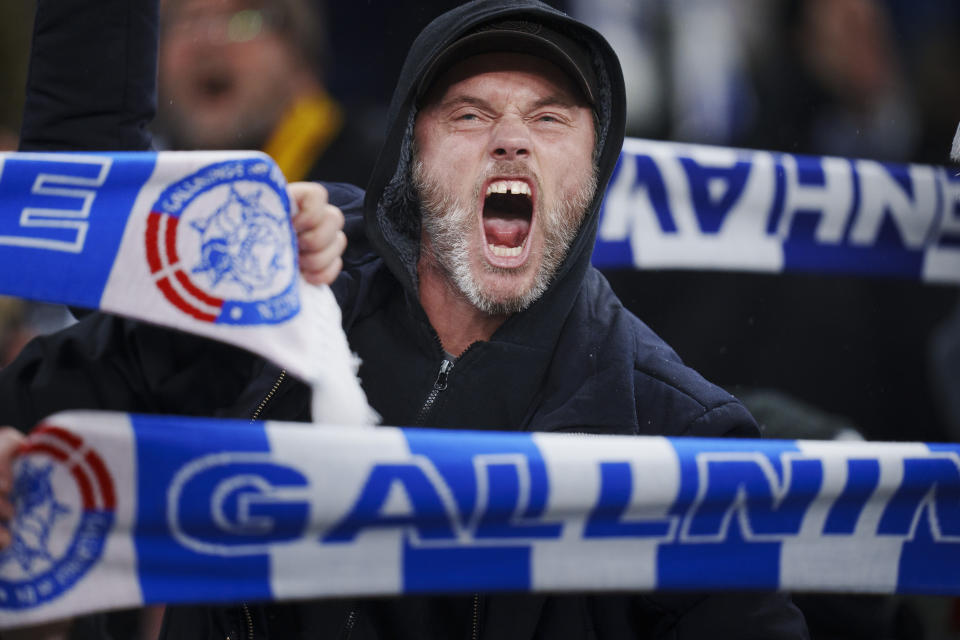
(391,210)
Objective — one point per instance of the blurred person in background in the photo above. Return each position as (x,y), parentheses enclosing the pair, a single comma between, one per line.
(835,84)
(249,74)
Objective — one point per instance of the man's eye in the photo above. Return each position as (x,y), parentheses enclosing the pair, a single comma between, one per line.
(548,118)
(468,116)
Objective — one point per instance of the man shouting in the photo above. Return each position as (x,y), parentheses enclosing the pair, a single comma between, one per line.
(467,292)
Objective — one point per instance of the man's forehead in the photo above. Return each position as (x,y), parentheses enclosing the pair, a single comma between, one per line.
(518,38)
(491,69)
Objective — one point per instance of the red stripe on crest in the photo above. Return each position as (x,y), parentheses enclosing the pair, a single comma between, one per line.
(73,440)
(180,303)
(153,252)
(86,489)
(197,293)
(172,257)
(103,478)
(32,447)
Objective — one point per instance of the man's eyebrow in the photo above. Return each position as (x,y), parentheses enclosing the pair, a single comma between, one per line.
(554,100)
(460,100)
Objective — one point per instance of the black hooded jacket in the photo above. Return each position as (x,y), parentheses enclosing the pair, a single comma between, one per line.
(575,360)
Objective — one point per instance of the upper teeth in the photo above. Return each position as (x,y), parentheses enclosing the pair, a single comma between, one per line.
(515,187)
(505,252)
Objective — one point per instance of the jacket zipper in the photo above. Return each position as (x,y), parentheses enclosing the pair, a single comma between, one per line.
(439,385)
(249,618)
(349,624)
(253,418)
(476,617)
(267,398)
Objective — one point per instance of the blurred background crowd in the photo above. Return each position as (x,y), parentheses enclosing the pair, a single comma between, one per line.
(813,356)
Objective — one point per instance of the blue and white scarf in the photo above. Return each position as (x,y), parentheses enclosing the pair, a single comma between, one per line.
(685,206)
(117,510)
(200,242)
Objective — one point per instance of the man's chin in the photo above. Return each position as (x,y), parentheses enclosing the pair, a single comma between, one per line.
(504,291)
(197,134)
(210,125)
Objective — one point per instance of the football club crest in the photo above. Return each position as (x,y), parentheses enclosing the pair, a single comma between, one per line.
(64,504)
(220,246)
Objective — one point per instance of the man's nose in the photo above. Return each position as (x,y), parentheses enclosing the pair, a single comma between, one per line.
(510,140)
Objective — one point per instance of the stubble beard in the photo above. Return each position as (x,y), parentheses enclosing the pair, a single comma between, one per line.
(450,224)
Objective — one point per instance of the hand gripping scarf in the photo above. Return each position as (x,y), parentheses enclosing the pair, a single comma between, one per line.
(199,242)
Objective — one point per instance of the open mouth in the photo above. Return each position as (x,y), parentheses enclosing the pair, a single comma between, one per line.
(507,216)
(214,86)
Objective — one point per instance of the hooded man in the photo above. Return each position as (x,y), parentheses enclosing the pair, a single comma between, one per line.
(467,292)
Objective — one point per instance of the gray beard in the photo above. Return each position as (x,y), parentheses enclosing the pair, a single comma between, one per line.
(449,224)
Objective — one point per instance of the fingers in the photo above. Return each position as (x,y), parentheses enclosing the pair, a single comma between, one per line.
(320,237)
(323,234)
(308,196)
(10,441)
(323,267)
